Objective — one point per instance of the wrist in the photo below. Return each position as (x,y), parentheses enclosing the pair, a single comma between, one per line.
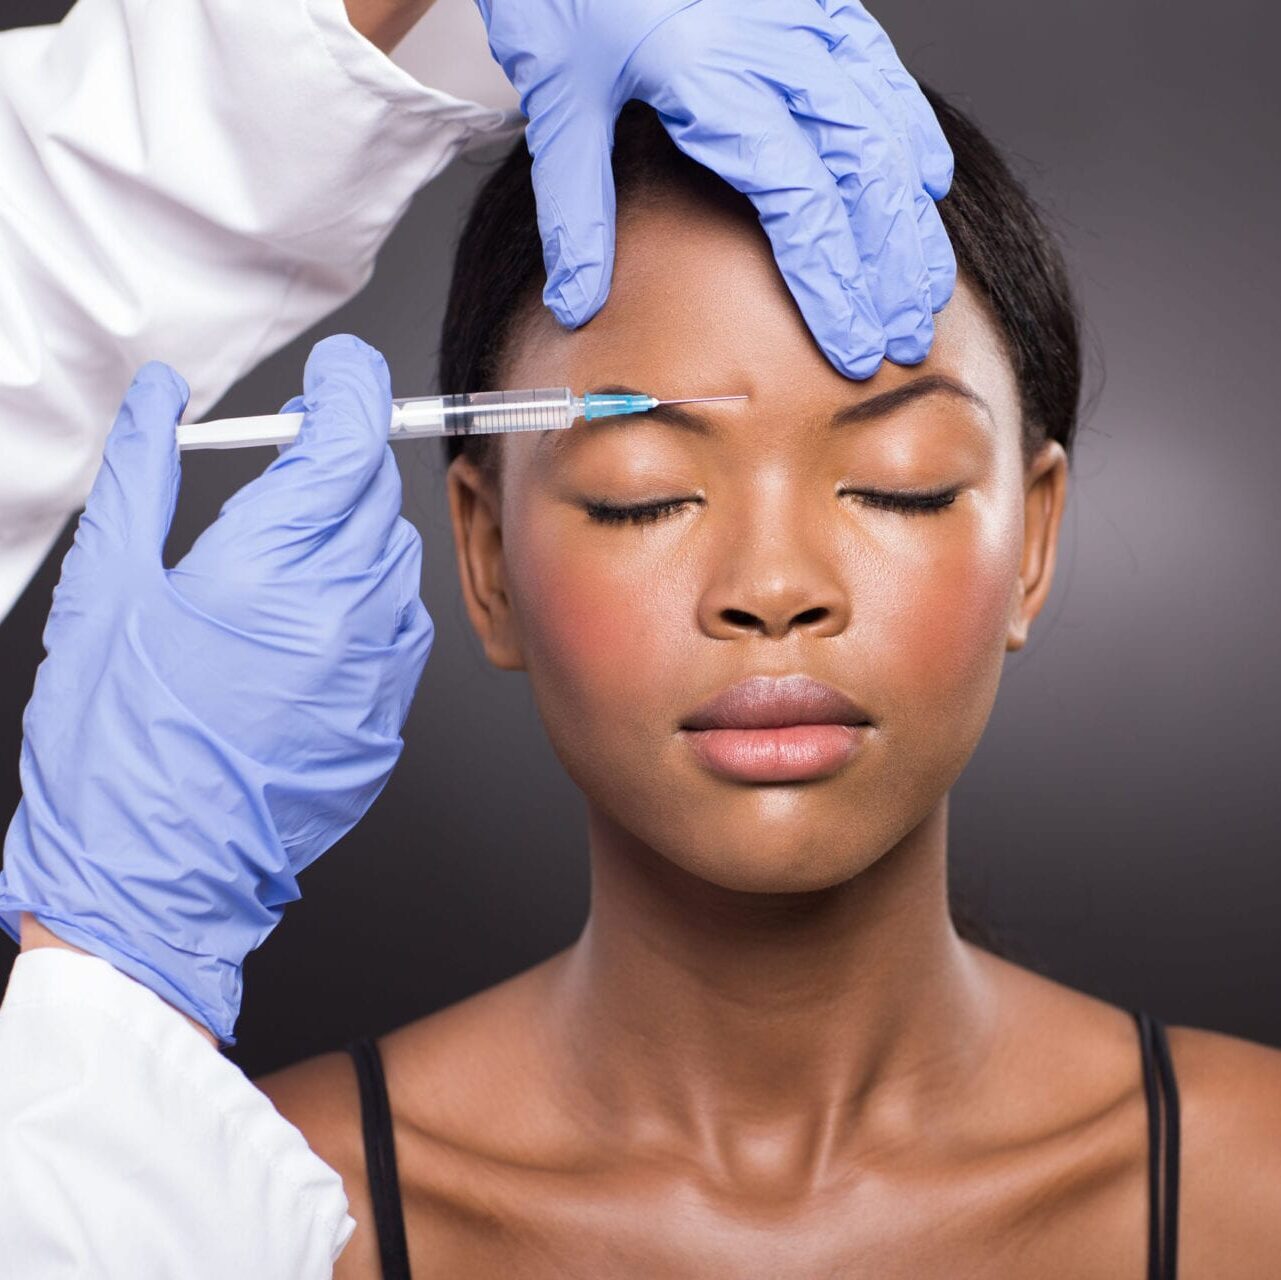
(34,935)
(385,23)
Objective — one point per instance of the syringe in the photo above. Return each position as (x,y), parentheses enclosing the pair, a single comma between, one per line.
(480,413)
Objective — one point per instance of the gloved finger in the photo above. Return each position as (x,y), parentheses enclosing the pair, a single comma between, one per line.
(295,404)
(403,564)
(362,537)
(929,144)
(413,630)
(239,568)
(862,49)
(574,191)
(136,489)
(276,522)
(866,52)
(936,246)
(318,478)
(801,210)
(879,185)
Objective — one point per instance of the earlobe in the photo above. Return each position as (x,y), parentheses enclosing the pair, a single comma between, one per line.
(476,515)
(1045,497)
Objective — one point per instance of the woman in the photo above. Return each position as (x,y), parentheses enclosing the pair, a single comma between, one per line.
(765,637)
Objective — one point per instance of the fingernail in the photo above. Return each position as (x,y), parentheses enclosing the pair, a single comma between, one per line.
(913,346)
(863,357)
(554,297)
(906,350)
(157,373)
(942,287)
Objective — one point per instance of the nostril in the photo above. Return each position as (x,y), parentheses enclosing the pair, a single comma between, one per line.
(745,618)
(806,616)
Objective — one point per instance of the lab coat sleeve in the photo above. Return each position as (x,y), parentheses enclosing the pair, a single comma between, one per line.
(195,181)
(131,1149)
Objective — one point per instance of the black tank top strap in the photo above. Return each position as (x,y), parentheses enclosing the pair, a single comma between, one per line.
(1162,1093)
(380,1159)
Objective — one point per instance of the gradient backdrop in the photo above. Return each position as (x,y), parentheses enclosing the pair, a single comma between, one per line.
(1119,825)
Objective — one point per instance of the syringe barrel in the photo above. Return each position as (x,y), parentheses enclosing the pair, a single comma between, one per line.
(484,412)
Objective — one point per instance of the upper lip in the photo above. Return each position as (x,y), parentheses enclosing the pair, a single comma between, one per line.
(772,702)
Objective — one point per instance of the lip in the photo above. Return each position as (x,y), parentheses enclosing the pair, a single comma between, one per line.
(777,729)
(774,702)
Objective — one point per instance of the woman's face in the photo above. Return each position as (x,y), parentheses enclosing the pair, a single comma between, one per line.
(772,561)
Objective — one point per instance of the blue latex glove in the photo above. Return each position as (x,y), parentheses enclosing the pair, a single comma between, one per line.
(198,735)
(802,105)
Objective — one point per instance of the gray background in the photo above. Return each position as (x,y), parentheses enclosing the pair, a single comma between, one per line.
(1118,825)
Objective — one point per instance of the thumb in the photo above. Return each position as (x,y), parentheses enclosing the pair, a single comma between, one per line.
(134,494)
(320,476)
(295,404)
(574,188)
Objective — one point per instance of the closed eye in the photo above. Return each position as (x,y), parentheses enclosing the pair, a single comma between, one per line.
(909,503)
(638,513)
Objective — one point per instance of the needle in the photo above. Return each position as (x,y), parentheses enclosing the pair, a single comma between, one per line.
(700,400)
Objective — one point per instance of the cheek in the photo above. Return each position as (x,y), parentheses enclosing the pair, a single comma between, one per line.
(595,624)
(946,620)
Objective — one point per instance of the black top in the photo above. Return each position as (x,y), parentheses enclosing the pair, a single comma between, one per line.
(1159,1088)
(380,1159)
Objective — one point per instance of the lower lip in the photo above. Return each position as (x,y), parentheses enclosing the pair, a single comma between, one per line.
(793,753)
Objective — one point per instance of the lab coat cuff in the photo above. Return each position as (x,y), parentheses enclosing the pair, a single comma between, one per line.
(85,990)
(374,72)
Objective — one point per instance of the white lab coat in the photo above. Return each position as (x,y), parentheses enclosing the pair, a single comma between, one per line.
(195,181)
(131,1149)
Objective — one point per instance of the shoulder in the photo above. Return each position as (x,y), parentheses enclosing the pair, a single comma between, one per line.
(320,1097)
(1230,1159)
(464,1084)
(1229,1092)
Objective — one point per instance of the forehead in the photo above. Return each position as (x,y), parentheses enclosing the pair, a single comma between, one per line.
(697,306)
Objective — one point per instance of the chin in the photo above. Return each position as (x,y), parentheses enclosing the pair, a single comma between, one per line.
(762,839)
(756,877)
(767,859)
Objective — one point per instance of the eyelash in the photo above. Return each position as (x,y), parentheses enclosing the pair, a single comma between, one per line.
(648,512)
(908,503)
(642,513)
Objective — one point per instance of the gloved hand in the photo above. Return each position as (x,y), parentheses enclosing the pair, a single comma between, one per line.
(802,105)
(199,735)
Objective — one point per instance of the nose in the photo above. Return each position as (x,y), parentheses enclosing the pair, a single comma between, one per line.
(775,582)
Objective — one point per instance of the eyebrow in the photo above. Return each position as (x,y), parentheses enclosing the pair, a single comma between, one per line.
(700,424)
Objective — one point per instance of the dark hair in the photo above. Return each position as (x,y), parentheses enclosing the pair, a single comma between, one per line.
(1003,248)
(1002,245)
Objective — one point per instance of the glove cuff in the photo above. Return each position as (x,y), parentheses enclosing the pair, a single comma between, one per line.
(214,998)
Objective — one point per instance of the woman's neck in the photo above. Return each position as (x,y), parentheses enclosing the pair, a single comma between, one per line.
(740,1024)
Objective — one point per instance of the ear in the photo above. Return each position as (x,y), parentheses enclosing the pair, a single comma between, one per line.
(1045,496)
(475,509)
